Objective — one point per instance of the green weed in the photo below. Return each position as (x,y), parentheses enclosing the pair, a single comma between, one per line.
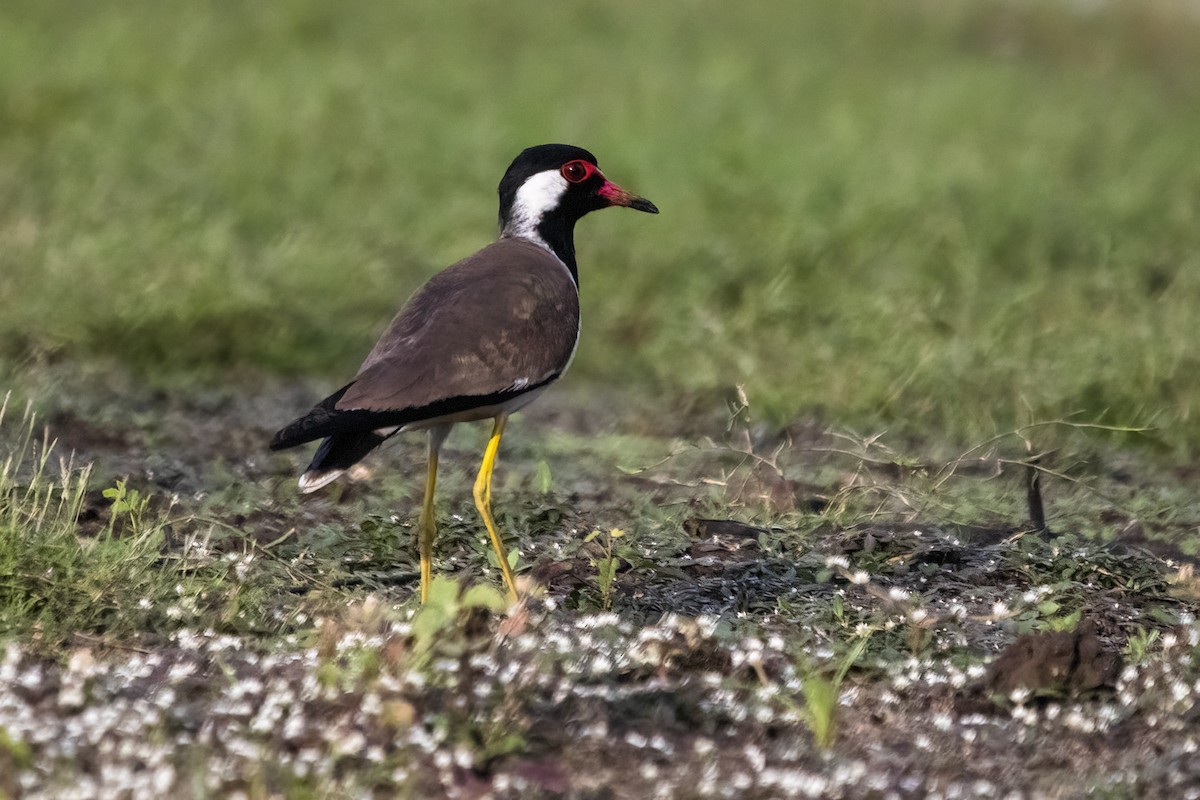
(821,690)
(606,564)
(435,625)
(127,505)
(1137,647)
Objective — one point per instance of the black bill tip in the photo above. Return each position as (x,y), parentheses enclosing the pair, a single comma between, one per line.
(642,204)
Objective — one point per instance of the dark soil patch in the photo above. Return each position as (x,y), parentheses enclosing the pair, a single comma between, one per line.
(1062,664)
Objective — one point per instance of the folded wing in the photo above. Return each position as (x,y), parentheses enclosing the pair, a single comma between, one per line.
(492,327)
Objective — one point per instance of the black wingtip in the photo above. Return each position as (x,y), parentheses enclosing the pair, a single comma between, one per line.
(314,425)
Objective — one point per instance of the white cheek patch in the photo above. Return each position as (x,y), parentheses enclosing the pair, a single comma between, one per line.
(539,194)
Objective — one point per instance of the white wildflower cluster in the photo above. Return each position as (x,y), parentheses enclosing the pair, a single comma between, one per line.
(240,563)
(1035,594)
(837,562)
(748,653)
(326,718)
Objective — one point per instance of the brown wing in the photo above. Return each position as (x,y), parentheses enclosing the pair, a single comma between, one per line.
(500,321)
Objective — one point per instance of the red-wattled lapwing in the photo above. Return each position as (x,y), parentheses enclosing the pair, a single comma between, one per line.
(480,340)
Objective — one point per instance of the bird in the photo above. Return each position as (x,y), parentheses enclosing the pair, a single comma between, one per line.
(479,340)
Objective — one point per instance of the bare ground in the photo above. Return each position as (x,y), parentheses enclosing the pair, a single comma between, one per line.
(753,563)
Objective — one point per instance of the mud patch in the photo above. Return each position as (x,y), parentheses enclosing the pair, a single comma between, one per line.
(1057,664)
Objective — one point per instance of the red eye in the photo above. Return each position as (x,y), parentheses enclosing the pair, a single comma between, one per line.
(576,171)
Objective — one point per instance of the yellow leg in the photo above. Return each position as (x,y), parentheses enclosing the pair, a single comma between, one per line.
(427,525)
(483,501)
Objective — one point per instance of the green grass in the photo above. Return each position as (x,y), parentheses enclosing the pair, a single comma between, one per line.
(61,579)
(946,217)
(47,574)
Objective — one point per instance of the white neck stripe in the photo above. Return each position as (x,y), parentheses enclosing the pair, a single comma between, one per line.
(538,195)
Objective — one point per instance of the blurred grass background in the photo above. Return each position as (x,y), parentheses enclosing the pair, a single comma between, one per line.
(946,218)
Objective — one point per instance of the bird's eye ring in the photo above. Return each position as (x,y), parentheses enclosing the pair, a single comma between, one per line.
(576,171)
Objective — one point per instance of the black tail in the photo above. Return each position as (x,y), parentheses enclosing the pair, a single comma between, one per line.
(344,450)
(337,454)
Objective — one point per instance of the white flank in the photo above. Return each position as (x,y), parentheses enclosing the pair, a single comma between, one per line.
(537,195)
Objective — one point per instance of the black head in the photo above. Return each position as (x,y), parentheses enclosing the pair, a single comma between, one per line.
(549,187)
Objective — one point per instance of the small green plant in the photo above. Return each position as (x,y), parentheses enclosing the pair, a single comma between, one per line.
(15,750)
(439,618)
(128,505)
(485,547)
(1047,615)
(1137,647)
(543,480)
(1064,622)
(440,628)
(821,692)
(837,610)
(606,564)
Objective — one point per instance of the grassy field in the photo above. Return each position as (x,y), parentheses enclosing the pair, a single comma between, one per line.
(910,255)
(957,217)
